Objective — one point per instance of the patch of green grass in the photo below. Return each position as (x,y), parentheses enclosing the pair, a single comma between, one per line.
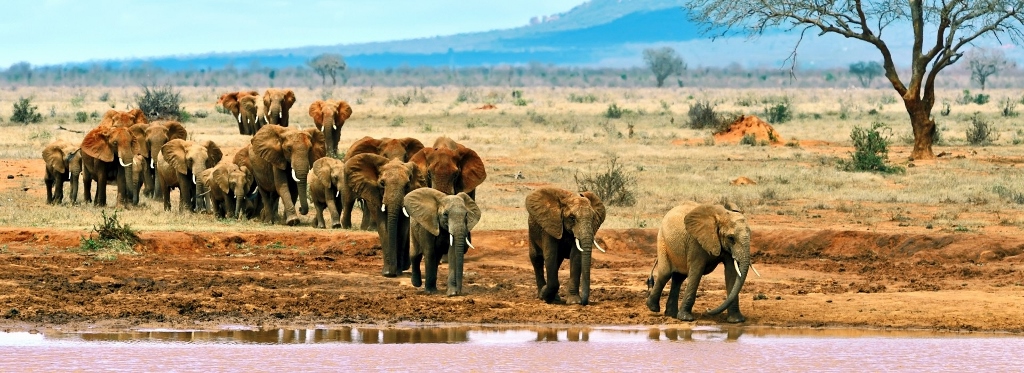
(112,238)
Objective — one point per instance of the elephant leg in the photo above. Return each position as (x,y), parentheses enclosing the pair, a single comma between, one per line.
(417,281)
(654,298)
(574,277)
(430,283)
(49,188)
(320,207)
(672,303)
(347,203)
(332,208)
(165,194)
(734,315)
(366,223)
(690,293)
(87,186)
(101,189)
(538,267)
(551,262)
(267,213)
(286,197)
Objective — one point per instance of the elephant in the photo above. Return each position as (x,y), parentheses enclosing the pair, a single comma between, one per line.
(280,160)
(277,102)
(252,116)
(439,223)
(329,116)
(563,224)
(99,148)
(401,149)
(693,239)
(451,167)
(115,118)
(228,185)
(151,138)
(382,185)
(231,102)
(187,160)
(326,181)
(252,204)
(63,163)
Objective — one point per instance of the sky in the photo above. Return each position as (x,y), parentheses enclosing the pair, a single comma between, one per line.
(46,32)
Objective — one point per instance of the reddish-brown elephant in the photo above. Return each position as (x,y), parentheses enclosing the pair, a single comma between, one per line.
(230,102)
(111,139)
(399,149)
(329,116)
(277,102)
(451,167)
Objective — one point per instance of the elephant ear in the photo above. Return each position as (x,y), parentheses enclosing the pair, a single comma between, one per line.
(213,152)
(598,206)
(545,207)
(95,144)
(241,158)
(474,211)
(139,132)
(362,174)
(702,223)
(289,99)
(137,116)
(423,207)
(207,176)
(316,111)
(267,144)
(343,113)
(364,145)
(318,144)
(322,171)
(222,177)
(411,145)
(472,168)
(174,153)
(266,99)
(420,159)
(53,155)
(176,131)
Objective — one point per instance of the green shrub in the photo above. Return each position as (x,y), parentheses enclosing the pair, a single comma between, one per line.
(159,103)
(582,98)
(778,113)
(871,150)
(1008,194)
(112,238)
(1009,107)
(702,115)
(749,139)
(615,112)
(81,117)
(980,132)
(25,112)
(614,185)
(968,98)
(105,96)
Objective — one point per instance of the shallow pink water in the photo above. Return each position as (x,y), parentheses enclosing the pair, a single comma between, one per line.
(501,348)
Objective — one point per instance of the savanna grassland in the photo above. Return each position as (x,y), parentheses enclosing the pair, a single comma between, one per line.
(936,246)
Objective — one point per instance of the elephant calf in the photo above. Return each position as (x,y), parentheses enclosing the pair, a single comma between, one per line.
(440,224)
(326,181)
(562,226)
(692,241)
(63,163)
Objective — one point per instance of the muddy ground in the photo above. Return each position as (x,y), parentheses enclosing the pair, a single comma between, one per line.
(811,278)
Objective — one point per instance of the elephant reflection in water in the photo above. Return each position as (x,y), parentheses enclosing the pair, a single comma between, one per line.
(426,335)
(547,335)
(578,334)
(731,334)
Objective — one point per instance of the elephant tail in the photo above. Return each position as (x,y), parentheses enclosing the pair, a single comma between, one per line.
(650,279)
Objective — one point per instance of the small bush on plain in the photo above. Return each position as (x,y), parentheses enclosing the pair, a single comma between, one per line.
(25,112)
(702,115)
(159,103)
(980,132)
(779,112)
(613,184)
(871,150)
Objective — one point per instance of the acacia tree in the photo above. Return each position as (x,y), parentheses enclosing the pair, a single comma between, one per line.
(866,71)
(951,25)
(985,62)
(328,64)
(663,62)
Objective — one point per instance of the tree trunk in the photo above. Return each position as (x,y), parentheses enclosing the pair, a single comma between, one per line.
(924,129)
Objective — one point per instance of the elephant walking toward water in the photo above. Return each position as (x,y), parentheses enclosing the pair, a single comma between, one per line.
(399,149)
(563,225)
(692,241)
(440,224)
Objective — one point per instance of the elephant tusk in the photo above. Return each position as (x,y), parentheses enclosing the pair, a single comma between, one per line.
(265,119)
(737,265)
(296,178)
(470,244)
(383,208)
(122,162)
(337,193)
(405,212)
(451,240)
(334,126)
(239,117)
(152,164)
(598,247)
(578,245)
(280,114)
(194,179)
(755,270)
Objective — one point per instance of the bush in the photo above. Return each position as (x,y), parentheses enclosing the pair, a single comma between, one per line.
(1009,107)
(778,113)
(112,238)
(468,95)
(404,99)
(702,115)
(871,149)
(81,117)
(613,185)
(967,98)
(105,96)
(25,112)
(159,103)
(615,112)
(980,132)
(582,98)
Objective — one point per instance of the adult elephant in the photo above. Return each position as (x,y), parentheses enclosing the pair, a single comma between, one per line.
(252,116)
(116,118)
(326,181)
(188,160)
(451,167)
(382,185)
(63,163)
(440,224)
(401,149)
(100,148)
(231,102)
(692,241)
(329,116)
(151,138)
(281,158)
(277,103)
(562,225)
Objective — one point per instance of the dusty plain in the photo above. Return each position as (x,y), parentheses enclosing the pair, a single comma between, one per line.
(939,247)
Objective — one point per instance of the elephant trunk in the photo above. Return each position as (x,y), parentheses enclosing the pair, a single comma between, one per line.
(239,203)
(456,257)
(741,258)
(585,275)
(390,245)
(274,115)
(74,187)
(330,127)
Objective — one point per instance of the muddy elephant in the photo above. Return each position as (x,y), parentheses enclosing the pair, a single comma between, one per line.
(277,102)
(439,224)
(382,185)
(451,167)
(401,149)
(63,163)
(326,181)
(100,148)
(231,102)
(329,116)
(252,116)
(186,160)
(151,138)
(563,225)
(692,241)
(281,159)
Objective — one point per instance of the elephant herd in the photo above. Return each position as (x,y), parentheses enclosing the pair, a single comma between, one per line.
(420,200)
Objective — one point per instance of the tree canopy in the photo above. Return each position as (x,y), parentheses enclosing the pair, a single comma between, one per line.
(328,64)
(663,62)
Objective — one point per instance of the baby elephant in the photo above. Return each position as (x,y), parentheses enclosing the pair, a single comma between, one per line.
(63,163)
(692,241)
(231,190)
(439,224)
(326,181)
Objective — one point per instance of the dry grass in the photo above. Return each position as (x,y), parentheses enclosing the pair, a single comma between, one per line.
(551,138)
